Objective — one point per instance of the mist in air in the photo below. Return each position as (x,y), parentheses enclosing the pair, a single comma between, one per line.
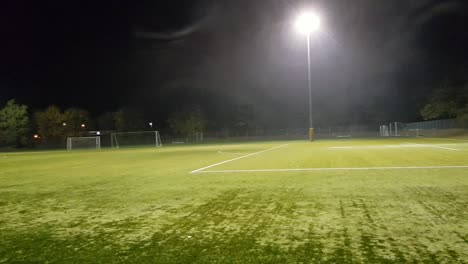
(371,61)
(369,64)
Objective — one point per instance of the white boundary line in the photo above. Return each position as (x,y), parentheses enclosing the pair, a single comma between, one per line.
(433,146)
(233,153)
(241,157)
(455,139)
(337,169)
(405,145)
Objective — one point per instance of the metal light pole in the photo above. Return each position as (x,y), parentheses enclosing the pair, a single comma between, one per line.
(308,23)
(311,124)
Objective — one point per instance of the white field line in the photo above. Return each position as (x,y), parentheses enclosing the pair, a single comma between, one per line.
(374,147)
(340,169)
(227,152)
(453,139)
(238,158)
(451,144)
(406,145)
(433,146)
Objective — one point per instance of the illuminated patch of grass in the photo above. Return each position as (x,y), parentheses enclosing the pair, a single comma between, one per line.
(142,206)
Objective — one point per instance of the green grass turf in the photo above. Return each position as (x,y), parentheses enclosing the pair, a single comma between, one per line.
(143,205)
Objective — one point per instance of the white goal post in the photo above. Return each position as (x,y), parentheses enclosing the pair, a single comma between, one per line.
(135,139)
(384,132)
(397,129)
(83,143)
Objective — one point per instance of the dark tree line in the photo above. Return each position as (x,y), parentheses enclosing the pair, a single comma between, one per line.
(20,127)
(14,124)
(448,101)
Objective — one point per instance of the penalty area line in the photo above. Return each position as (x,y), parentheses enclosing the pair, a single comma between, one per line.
(238,158)
(340,169)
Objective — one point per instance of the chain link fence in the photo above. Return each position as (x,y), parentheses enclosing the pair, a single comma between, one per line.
(259,134)
(435,124)
(435,128)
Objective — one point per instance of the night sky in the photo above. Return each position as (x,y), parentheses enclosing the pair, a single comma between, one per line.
(373,61)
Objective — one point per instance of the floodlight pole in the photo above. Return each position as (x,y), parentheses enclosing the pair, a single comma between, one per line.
(309,81)
(311,126)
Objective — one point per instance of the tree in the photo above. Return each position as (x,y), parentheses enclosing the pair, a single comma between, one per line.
(446,102)
(462,117)
(127,119)
(436,110)
(50,123)
(74,119)
(106,121)
(187,123)
(243,118)
(14,123)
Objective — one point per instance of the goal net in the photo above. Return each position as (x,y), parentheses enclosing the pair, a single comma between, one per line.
(83,143)
(397,129)
(384,131)
(131,139)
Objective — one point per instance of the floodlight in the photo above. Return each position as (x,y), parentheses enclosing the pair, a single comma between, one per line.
(307,23)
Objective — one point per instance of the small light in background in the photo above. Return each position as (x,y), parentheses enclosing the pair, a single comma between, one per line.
(64,124)
(36,136)
(151,124)
(98,133)
(83,125)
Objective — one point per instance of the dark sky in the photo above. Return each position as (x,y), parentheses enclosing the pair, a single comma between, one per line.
(373,61)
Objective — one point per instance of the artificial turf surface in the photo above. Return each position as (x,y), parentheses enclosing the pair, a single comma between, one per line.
(143,205)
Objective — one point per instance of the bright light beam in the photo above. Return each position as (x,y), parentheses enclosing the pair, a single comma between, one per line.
(308,23)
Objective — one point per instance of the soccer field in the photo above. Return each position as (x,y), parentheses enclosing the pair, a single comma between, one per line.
(331,201)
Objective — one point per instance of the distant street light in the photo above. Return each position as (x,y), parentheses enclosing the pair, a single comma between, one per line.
(308,23)
(83,125)
(151,124)
(64,124)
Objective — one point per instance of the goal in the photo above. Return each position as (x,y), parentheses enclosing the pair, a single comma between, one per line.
(134,139)
(395,129)
(384,131)
(83,143)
